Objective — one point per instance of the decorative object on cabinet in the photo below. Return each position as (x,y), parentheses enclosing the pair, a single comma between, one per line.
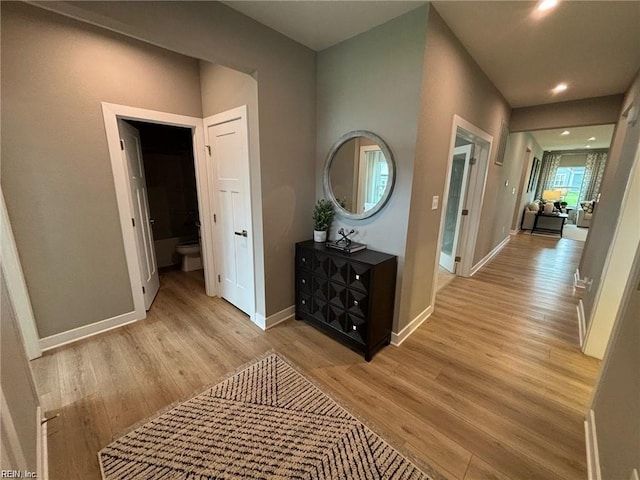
(360,171)
(322,217)
(350,297)
(345,244)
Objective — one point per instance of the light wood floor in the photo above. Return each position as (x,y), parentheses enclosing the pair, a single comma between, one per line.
(492,386)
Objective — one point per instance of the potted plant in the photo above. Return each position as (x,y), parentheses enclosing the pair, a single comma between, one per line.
(322,217)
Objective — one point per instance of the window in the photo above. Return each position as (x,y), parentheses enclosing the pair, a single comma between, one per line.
(571,179)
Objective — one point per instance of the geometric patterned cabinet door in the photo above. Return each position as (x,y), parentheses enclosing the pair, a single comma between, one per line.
(350,297)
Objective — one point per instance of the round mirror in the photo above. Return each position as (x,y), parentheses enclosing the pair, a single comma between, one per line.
(359,174)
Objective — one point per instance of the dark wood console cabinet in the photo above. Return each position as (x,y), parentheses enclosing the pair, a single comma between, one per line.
(350,297)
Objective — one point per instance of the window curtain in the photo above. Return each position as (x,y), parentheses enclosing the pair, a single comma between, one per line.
(594,171)
(548,169)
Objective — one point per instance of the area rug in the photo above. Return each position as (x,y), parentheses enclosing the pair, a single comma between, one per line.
(266,421)
(572,232)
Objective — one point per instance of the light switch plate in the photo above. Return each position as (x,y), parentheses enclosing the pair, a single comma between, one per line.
(434,202)
(513,191)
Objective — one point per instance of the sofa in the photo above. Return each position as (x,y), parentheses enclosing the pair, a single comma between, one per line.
(585,212)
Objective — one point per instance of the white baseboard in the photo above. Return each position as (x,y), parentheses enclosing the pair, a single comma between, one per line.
(489,256)
(276,318)
(60,339)
(582,323)
(398,338)
(591,442)
(578,282)
(514,232)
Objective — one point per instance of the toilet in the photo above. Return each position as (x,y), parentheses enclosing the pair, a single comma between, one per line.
(191,259)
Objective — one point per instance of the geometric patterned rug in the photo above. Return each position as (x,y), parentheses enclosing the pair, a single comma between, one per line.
(266,421)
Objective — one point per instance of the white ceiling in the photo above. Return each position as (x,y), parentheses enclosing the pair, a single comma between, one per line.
(321,24)
(594,46)
(577,139)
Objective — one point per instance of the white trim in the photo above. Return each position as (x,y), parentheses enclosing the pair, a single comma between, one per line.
(111,112)
(60,339)
(578,282)
(398,338)
(17,286)
(238,113)
(42,456)
(489,256)
(469,230)
(582,321)
(591,441)
(275,319)
(515,232)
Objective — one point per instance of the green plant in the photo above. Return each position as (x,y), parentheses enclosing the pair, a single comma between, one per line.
(322,215)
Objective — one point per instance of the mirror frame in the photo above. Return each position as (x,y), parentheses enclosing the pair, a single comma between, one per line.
(328,190)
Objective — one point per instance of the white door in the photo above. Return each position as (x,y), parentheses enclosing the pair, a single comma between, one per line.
(140,220)
(227,140)
(455,202)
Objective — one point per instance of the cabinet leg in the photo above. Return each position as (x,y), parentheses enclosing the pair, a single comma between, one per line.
(368,356)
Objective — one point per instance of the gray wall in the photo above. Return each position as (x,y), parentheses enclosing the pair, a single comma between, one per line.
(616,401)
(516,156)
(452,84)
(58,183)
(17,387)
(56,172)
(603,224)
(577,113)
(223,89)
(372,82)
(286,73)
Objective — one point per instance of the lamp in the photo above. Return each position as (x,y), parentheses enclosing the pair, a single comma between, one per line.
(550,196)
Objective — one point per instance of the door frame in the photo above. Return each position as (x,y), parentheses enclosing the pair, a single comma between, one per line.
(475,195)
(17,286)
(111,112)
(463,190)
(238,113)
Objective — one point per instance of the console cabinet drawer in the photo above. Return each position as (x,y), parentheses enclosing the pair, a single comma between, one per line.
(348,296)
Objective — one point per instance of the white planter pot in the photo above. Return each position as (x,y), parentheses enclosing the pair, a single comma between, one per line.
(319,236)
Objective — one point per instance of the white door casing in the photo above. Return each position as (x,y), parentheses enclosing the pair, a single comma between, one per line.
(17,286)
(226,135)
(454,205)
(477,182)
(141,221)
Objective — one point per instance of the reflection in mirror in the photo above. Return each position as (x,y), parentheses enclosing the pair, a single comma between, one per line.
(359,175)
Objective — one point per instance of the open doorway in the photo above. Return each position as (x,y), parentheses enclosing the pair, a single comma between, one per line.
(462,200)
(169,172)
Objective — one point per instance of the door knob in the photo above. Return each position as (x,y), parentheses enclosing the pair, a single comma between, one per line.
(243,233)
(152,221)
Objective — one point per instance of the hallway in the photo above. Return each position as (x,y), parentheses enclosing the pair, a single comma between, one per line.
(493,385)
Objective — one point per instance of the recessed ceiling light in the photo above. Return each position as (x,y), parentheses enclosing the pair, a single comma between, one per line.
(587,146)
(561,87)
(591,139)
(547,5)
(566,132)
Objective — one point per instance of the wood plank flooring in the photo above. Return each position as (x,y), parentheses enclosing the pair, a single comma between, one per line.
(491,386)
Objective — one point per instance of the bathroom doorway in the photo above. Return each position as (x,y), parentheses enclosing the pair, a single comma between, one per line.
(170,175)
